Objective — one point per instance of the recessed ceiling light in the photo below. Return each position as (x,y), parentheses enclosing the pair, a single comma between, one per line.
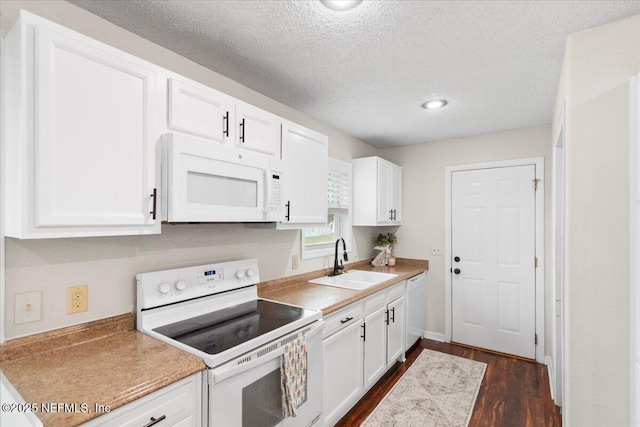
(341,4)
(434,103)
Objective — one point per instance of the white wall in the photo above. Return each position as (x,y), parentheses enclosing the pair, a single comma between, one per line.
(595,83)
(108,265)
(423,221)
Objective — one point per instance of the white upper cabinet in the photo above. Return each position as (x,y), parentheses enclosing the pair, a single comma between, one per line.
(305,154)
(82,130)
(377,192)
(199,110)
(257,130)
(80,137)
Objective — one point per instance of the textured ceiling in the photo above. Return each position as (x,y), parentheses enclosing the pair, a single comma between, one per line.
(367,71)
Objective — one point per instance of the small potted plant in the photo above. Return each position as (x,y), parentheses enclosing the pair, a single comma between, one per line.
(385,243)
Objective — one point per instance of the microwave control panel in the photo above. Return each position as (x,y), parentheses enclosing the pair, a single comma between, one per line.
(275,181)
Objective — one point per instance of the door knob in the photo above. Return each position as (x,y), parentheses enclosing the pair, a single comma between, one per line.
(457,271)
(456,259)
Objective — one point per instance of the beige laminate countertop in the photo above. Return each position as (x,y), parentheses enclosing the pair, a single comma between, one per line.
(95,363)
(298,291)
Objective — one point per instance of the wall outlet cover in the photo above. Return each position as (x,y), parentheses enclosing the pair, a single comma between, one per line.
(436,250)
(28,307)
(77,299)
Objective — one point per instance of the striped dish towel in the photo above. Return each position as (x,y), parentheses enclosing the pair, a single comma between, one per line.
(293,371)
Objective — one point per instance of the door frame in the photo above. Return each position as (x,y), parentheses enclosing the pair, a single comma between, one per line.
(634,251)
(558,250)
(538,162)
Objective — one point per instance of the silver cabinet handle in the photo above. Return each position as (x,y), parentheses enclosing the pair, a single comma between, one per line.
(153,421)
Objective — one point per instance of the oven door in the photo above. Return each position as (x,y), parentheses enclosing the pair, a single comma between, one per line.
(206,182)
(247,393)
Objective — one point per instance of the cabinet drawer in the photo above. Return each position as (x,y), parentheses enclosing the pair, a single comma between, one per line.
(375,301)
(342,319)
(178,403)
(396,291)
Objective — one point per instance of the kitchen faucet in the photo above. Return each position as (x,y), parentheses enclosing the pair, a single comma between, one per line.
(338,268)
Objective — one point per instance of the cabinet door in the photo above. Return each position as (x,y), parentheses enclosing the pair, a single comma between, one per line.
(395,332)
(395,194)
(342,372)
(257,130)
(95,134)
(199,110)
(384,181)
(375,346)
(306,157)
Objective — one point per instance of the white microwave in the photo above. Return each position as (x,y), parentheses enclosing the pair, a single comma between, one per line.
(208,182)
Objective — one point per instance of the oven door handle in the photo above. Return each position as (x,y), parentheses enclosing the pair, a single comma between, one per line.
(232,368)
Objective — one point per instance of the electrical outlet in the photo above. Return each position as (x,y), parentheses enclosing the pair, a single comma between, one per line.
(294,262)
(435,250)
(28,307)
(77,299)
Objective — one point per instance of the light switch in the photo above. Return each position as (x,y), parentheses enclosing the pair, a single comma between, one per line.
(28,307)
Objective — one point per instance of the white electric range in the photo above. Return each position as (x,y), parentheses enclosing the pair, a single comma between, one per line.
(213,311)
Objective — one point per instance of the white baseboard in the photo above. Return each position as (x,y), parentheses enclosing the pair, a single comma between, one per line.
(434,336)
(549,362)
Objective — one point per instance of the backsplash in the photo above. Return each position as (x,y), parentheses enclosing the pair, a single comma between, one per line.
(108,265)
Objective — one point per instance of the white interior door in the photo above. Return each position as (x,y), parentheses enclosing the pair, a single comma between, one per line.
(493,259)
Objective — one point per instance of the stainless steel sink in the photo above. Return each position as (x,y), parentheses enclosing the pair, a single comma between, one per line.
(354,279)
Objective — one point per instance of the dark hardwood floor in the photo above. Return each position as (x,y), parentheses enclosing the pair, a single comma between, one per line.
(513,393)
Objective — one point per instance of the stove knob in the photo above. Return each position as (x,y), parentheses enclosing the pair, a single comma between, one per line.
(164,288)
(180,285)
(250,272)
(239,274)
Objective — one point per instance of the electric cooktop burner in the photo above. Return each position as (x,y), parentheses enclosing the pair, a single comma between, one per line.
(220,330)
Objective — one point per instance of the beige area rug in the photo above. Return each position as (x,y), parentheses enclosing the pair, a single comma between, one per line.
(437,390)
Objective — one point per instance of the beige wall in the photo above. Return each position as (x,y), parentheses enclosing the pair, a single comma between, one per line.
(598,65)
(109,264)
(423,219)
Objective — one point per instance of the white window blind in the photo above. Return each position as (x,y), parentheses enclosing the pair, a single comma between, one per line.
(320,241)
(338,190)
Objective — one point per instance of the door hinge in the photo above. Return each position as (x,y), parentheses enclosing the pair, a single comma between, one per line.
(535,262)
(535,184)
(535,339)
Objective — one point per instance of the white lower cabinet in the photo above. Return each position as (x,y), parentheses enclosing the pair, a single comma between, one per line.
(178,404)
(395,330)
(342,372)
(375,339)
(361,342)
